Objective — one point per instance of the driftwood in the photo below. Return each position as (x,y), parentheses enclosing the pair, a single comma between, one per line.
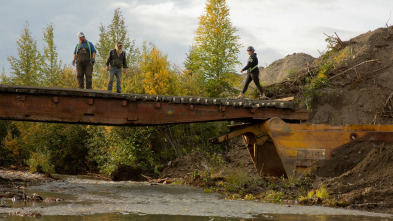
(285,99)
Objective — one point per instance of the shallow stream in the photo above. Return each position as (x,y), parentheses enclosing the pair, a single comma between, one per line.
(89,199)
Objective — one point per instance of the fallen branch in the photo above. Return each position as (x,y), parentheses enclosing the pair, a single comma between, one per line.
(352,68)
(390,97)
(379,69)
(375,119)
(387,107)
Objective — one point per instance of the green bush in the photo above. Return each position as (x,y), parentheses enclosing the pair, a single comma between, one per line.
(40,162)
(111,147)
(150,148)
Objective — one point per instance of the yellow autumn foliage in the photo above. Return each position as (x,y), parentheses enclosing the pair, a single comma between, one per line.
(159,79)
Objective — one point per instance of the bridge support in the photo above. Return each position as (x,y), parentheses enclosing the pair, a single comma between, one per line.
(283,150)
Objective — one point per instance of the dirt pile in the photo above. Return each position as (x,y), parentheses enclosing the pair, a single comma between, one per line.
(281,70)
(360,91)
(186,165)
(284,68)
(345,158)
(237,158)
(360,83)
(369,181)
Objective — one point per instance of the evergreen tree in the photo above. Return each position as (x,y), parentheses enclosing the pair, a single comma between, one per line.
(27,66)
(103,46)
(214,53)
(51,67)
(115,32)
(3,78)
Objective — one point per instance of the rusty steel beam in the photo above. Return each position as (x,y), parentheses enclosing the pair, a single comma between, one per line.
(105,108)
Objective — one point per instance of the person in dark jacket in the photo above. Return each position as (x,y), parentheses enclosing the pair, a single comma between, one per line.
(84,59)
(252,73)
(115,62)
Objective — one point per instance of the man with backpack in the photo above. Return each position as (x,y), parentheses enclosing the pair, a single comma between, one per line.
(84,57)
(114,63)
(252,73)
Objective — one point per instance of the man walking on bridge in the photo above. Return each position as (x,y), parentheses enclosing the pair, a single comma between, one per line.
(252,73)
(84,57)
(116,60)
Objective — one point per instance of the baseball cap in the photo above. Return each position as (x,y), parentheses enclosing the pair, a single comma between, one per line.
(250,48)
(80,34)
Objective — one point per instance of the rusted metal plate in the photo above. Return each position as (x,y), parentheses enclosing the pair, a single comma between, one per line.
(311,154)
(105,108)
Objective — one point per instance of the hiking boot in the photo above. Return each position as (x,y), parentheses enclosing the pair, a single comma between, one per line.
(263,97)
(240,96)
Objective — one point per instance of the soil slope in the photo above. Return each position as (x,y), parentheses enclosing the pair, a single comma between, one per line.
(361,84)
(284,68)
(280,70)
(360,92)
(369,183)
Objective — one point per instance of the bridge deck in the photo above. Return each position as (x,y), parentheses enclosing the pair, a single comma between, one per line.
(105,108)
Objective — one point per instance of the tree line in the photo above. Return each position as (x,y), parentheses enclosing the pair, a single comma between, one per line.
(208,71)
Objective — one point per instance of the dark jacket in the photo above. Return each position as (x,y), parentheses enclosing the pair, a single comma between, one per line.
(252,64)
(116,61)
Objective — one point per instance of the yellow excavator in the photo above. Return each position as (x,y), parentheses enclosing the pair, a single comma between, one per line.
(282,149)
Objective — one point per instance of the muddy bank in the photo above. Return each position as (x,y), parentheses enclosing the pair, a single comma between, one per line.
(14,181)
(359,176)
(236,158)
(9,176)
(368,182)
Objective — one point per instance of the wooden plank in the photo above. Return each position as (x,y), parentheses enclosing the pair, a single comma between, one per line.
(285,99)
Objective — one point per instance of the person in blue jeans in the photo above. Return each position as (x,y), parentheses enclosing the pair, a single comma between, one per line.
(115,63)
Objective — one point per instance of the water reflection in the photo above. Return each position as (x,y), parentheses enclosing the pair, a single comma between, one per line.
(133,217)
(87,199)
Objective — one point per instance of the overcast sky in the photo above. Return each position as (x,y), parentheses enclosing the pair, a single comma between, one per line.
(275,28)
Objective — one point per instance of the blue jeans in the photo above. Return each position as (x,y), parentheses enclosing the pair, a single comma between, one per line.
(113,72)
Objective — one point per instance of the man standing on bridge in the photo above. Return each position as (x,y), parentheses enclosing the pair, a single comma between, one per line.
(84,57)
(116,60)
(252,73)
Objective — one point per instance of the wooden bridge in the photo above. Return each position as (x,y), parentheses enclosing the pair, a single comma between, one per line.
(105,108)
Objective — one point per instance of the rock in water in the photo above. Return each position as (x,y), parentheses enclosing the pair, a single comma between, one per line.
(36,197)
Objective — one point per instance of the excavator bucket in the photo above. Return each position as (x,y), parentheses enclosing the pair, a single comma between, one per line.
(281,149)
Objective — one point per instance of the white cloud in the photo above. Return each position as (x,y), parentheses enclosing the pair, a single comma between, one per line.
(275,28)
(164,20)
